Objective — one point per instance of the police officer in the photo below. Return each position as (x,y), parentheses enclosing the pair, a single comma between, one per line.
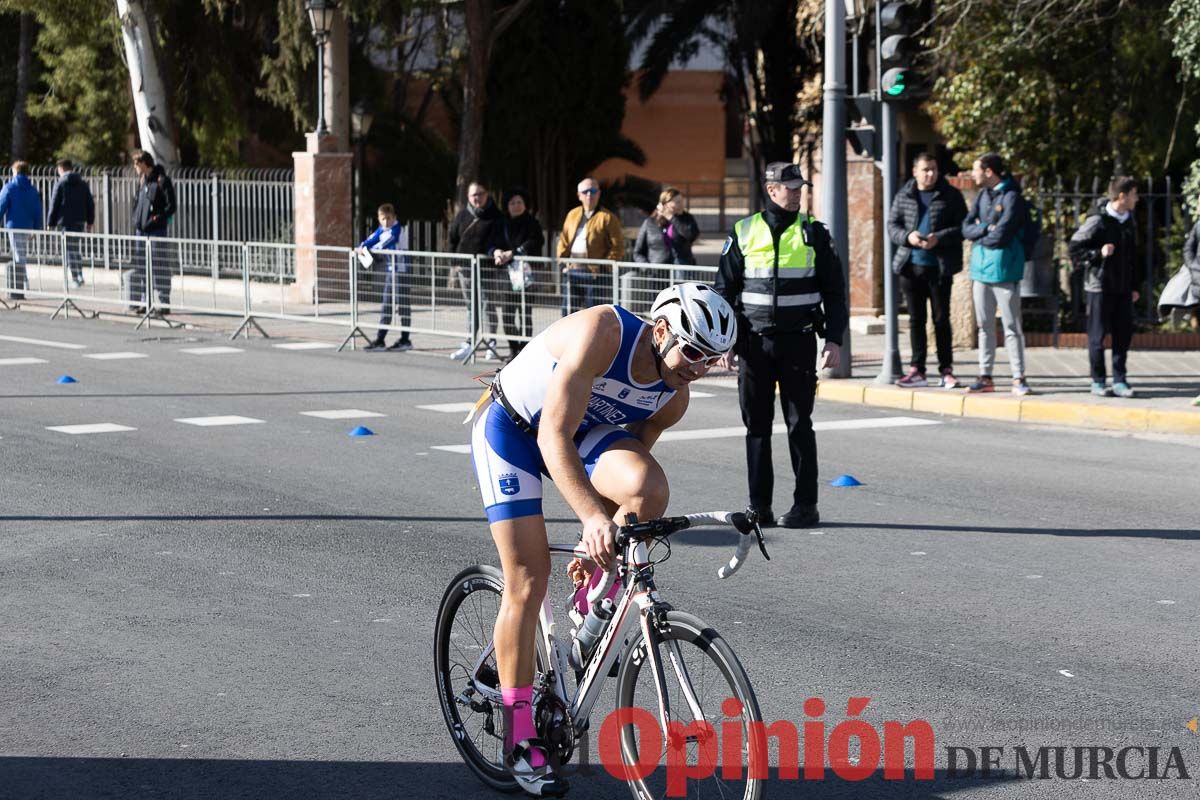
(778,269)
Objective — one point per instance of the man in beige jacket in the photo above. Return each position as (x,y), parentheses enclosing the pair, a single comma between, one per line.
(588,232)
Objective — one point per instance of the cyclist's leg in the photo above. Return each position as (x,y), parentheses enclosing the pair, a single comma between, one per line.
(525,559)
(631,480)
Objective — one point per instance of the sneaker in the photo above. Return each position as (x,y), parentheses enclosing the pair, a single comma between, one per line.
(1020,387)
(1123,389)
(915,379)
(982,384)
(1100,390)
(77,282)
(801,515)
(490,355)
(948,381)
(376,344)
(536,781)
(403,344)
(462,352)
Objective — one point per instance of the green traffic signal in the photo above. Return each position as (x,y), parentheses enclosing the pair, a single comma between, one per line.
(895,82)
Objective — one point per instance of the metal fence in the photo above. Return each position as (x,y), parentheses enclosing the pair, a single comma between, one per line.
(218,205)
(462,297)
(1162,218)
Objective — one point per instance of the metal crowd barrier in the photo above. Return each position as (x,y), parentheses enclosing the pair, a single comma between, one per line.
(462,297)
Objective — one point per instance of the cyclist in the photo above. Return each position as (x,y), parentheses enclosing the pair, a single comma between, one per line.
(583,403)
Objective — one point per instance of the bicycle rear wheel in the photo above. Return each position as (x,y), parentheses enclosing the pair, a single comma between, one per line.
(700,672)
(468,682)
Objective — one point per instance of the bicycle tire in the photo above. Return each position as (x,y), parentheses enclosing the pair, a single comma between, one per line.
(451,675)
(688,630)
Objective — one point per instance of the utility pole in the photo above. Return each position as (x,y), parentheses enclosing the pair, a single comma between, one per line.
(833,152)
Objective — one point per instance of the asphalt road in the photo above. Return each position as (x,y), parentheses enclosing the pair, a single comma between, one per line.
(246,611)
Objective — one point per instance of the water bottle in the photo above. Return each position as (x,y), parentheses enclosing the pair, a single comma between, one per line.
(589,632)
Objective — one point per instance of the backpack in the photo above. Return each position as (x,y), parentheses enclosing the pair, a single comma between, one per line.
(1031,229)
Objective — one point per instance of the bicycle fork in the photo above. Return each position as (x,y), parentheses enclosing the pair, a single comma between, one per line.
(652,625)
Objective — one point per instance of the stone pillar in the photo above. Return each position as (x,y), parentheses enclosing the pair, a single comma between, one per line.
(322,217)
(962,307)
(864,187)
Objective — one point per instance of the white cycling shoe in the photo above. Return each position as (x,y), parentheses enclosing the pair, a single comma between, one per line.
(535,781)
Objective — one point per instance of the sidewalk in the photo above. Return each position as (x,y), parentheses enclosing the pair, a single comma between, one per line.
(1165,382)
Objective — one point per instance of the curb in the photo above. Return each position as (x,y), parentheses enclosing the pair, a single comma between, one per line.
(1037,411)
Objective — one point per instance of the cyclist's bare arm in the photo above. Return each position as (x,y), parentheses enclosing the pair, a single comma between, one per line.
(584,345)
(648,430)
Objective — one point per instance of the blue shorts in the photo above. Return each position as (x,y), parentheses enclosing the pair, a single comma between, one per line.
(509,465)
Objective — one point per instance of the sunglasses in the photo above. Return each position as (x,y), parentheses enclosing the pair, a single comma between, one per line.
(694,355)
(589,191)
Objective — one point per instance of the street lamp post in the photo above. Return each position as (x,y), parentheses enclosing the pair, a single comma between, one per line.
(360,125)
(320,16)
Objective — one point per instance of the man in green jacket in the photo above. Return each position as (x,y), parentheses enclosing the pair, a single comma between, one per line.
(993,226)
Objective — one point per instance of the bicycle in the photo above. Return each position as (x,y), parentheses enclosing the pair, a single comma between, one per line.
(468,682)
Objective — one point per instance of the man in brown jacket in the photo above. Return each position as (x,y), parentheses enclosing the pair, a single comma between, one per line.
(588,232)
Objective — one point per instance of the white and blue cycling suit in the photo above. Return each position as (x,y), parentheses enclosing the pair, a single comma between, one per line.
(509,465)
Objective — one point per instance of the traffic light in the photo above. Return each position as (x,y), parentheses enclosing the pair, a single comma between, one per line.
(899,21)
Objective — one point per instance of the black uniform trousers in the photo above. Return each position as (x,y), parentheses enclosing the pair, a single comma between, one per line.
(789,360)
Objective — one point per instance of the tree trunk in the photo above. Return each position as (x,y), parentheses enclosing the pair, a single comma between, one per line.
(150,100)
(470,136)
(20,124)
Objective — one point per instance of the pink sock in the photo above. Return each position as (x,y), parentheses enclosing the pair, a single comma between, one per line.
(581,603)
(519,705)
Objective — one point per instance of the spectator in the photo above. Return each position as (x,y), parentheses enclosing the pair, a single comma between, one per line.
(21,210)
(778,269)
(517,235)
(590,232)
(925,224)
(72,209)
(997,265)
(1105,246)
(666,236)
(152,212)
(471,233)
(391,235)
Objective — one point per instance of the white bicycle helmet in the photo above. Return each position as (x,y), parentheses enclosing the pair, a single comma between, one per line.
(698,315)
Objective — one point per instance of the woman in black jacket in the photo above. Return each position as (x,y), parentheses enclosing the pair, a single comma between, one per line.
(667,235)
(517,235)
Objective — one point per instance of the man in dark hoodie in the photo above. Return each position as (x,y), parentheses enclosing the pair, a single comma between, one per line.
(154,208)
(471,232)
(925,225)
(778,269)
(73,210)
(993,226)
(1105,246)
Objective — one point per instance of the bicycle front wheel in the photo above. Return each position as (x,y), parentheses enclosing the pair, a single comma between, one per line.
(700,673)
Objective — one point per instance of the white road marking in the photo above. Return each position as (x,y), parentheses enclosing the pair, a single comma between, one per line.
(737,431)
(816,533)
(210,351)
(342,413)
(115,356)
(1065,674)
(207,422)
(305,346)
(96,427)
(702,394)
(449,408)
(1033,577)
(918,553)
(43,343)
(17,362)
(1166,602)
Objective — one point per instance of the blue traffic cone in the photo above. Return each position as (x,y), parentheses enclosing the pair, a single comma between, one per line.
(846,480)
(66,379)
(362,431)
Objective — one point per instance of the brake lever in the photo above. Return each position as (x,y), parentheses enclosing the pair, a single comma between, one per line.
(747,523)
